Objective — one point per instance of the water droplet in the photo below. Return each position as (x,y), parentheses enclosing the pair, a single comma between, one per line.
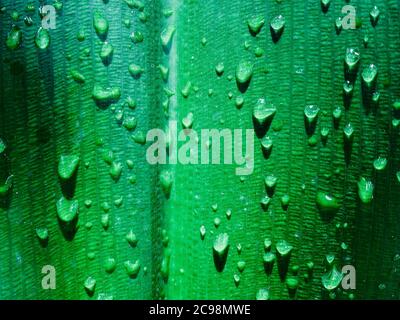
(43,234)
(269,260)
(255,24)
(6,187)
(365,190)
(374,15)
(42,38)
(105,95)
(166,37)
(90,285)
(263,112)
(380,163)
(164,72)
(135,70)
(369,75)
(332,279)
(337,114)
(292,285)
(2,146)
(132,268)
(100,24)
(258,52)
(67,166)
(348,88)
(270,182)
(106,52)
(262,294)
(348,135)
(186,89)
(219,69)
(241,265)
(244,72)
(266,146)
(325,5)
(131,238)
(352,58)
(166,180)
(265,201)
(228,214)
(311,114)
(283,248)
(202,232)
(338,25)
(398,176)
(217,222)
(277,26)
(285,199)
(326,203)
(105,220)
(110,265)
(67,210)
(115,170)
(119,201)
(187,122)
(77,76)
(14,38)
(130,123)
(236,279)
(137,37)
(220,250)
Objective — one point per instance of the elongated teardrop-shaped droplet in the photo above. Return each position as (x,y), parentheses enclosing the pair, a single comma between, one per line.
(166,36)
(255,24)
(380,163)
(14,38)
(67,210)
(365,190)
(42,38)
(326,203)
(6,187)
(374,15)
(2,146)
(369,75)
(338,25)
(332,279)
(100,24)
(105,95)
(220,250)
(90,285)
(132,268)
(77,76)
(67,166)
(263,112)
(244,72)
(166,180)
(352,58)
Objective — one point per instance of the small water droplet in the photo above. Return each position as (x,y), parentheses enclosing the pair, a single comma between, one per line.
(131,238)
(135,70)
(277,25)
(244,72)
(326,203)
(269,260)
(115,170)
(166,37)
(352,58)
(67,166)
(106,53)
(369,75)
(67,210)
(262,294)
(132,268)
(166,180)
(202,232)
(110,265)
(90,285)
(219,69)
(100,24)
(263,112)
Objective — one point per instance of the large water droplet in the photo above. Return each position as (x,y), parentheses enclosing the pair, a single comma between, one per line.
(263,112)
(352,58)
(380,163)
(67,210)
(277,25)
(100,24)
(332,279)
(42,38)
(244,72)
(326,203)
(67,166)
(166,37)
(14,38)
(132,268)
(369,75)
